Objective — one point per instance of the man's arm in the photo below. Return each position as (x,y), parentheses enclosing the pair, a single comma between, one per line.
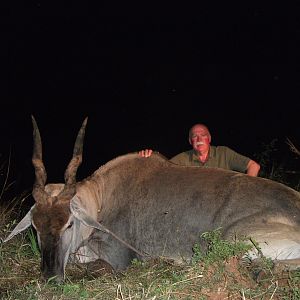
(253,168)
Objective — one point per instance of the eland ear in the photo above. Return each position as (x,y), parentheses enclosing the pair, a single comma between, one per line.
(81,214)
(22,225)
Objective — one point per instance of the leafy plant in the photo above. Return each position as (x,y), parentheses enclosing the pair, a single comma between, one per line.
(218,249)
(33,242)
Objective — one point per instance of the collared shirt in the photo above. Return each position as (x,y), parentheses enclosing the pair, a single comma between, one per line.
(218,157)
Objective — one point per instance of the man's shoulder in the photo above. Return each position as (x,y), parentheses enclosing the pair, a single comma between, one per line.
(221,149)
(224,151)
(230,153)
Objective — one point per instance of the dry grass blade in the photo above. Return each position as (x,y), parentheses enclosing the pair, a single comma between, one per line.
(4,186)
(292,147)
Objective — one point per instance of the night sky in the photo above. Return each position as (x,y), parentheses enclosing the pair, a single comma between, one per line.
(144,79)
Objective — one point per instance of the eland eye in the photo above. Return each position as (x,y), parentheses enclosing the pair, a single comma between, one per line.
(70,225)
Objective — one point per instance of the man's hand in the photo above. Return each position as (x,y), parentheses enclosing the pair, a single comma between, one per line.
(145,153)
(253,168)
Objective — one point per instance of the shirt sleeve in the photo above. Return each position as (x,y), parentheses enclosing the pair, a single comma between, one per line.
(238,162)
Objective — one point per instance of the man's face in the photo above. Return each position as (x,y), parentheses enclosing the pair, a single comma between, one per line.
(200,139)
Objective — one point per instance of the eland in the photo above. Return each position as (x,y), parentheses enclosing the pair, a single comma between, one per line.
(133,207)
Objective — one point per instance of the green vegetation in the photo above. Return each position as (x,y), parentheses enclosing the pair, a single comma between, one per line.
(218,250)
(219,271)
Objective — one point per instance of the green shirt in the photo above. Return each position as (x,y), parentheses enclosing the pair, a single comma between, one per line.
(218,157)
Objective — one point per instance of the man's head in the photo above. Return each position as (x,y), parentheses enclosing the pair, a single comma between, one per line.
(200,138)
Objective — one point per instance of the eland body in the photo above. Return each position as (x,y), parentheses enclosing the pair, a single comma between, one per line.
(134,207)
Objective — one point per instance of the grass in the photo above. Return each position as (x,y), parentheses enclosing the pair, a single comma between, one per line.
(218,273)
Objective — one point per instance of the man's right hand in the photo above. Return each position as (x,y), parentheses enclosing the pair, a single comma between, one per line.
(145,153)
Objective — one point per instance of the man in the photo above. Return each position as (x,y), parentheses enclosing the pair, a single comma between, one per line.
(204,154)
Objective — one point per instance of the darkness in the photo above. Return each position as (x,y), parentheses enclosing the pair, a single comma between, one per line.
(143,79)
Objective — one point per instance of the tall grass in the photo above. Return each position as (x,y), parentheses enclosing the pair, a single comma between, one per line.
(10,209)
(280,161)
(213,275)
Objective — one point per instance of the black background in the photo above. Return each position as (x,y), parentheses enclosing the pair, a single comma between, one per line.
(144,75)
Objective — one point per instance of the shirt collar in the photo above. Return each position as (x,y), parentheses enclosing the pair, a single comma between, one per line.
(211,154)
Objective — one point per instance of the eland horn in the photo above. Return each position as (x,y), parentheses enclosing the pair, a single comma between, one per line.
(70,173)
(38,191)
